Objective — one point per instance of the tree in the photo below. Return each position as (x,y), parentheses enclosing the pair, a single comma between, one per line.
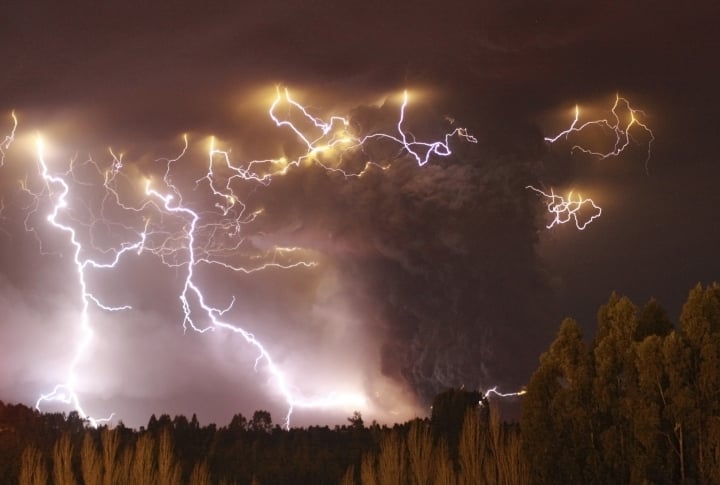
(614,385)
(391,463)
(200,474)
(538,424)
(168,469)
(91,463)
(443,465)
(144,468)
(448,414)
(356,421)
(656,460)
(238,423)
(74,424)
(349,477)
(680,409)
(152,425)
(490,452)
(472,449)
(194,424)
(124,466)
(653,320)
(32,467)
(62,462)
(180,424)
(700,335)
(420,452)
(557,420)
(261,421)
(164,422)
(109,441)
(368,469)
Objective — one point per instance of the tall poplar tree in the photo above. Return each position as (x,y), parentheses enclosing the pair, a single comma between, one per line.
(556,424)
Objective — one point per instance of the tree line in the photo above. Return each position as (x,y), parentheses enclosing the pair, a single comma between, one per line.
(637,403)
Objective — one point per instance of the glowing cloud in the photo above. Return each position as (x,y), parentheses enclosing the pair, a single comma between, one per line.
(567,209)
(623,118)
(168,221)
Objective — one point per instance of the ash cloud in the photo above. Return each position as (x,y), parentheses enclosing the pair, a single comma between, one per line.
(442,257)
(424,274)
(429,276)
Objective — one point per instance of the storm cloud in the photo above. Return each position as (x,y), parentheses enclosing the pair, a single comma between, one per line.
(427,277)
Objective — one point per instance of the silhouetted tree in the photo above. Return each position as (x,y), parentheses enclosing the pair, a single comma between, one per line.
(238,423)
(261,421)
(557,414)
(356,421)
(92,466)
(33,469)
(448,414)
(109,440)
(700,332)
(62,469)
(614,385)
(655,460)
(420,452)
(653,320)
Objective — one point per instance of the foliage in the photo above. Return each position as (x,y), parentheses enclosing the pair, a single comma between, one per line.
(639,403)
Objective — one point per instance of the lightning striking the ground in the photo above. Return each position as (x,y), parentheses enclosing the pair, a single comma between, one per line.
(57,190)
(108,217)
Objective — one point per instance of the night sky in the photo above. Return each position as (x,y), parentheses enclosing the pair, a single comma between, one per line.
(426,277)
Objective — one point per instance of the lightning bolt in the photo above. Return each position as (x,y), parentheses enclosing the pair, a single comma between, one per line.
(566,209)
(618,125)
(495,392)
(185,235)
(7,141)
(56,188)
(623,117)
(335,134)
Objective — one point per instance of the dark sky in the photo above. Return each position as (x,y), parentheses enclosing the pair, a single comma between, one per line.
(426,277)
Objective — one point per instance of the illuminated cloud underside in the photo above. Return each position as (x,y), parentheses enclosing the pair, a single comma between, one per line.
(160,222)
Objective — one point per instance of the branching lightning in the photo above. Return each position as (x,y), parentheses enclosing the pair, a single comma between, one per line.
(571,208)
(617,124)
(57,189)
(185,235)
(7,141)
(623,118)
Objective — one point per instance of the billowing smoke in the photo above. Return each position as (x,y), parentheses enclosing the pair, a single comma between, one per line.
(440,259)
(422,277)
(426,277)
